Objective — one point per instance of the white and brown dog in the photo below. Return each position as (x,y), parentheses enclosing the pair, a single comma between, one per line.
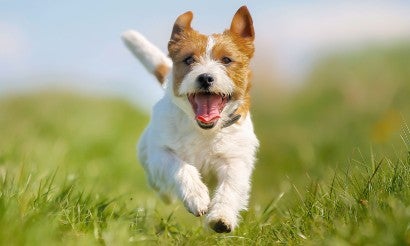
(202,125)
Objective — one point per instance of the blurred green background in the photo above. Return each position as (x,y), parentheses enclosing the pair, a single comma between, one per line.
(353,108)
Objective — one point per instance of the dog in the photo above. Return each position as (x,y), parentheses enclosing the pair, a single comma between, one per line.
(202,125)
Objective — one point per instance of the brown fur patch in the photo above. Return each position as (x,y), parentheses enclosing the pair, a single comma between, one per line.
(186,43)
(242,23)
(240,51)
(242,34)
(161,72)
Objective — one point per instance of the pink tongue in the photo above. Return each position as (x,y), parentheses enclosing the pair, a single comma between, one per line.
(207,107)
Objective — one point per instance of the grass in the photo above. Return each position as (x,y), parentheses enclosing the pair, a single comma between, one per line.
(334,166)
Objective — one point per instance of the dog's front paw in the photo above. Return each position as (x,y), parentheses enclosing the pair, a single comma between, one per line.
(197,200)
(221,219)
(220,225)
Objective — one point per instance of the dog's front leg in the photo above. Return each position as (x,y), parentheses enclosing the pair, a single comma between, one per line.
(231,196)
(169,174)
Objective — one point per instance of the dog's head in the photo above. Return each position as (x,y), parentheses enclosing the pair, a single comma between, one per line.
(211,75)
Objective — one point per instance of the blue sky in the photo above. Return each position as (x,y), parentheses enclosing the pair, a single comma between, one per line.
(76,44)
(82,37)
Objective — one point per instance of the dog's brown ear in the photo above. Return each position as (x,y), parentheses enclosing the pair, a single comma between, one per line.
(242,23)
(182,23)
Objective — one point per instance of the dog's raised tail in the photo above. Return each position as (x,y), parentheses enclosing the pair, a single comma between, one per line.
(153,59)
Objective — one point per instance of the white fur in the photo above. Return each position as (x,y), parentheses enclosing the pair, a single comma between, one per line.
(222,83)
(209,46)
(176,153)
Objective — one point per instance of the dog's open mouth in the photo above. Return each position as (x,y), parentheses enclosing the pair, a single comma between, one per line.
(207,107)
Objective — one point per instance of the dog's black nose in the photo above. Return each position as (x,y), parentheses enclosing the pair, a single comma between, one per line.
(205,80)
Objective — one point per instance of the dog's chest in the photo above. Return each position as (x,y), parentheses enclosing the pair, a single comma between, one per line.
(207,150)
(203,151)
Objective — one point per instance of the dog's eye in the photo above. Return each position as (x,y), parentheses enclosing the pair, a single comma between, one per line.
(226,60)
(189,60)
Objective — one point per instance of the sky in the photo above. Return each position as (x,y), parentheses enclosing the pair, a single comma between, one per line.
(77,45)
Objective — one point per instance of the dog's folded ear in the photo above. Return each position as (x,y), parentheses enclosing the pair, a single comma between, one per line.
(182,23)
(242,24)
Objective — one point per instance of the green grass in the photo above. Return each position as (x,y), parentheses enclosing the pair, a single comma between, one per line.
(333,168)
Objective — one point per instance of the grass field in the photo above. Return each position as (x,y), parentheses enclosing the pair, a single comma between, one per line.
(333,168)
